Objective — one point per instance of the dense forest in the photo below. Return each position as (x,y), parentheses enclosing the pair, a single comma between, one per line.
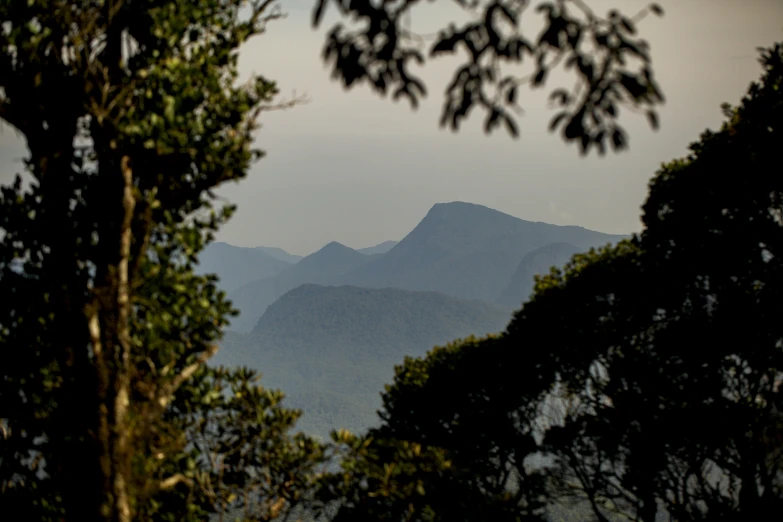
(637,378)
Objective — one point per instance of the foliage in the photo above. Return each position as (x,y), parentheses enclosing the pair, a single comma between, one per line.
(392,479)
(132,116)
(642,380)
(435,457)
(612,65)
(240,459)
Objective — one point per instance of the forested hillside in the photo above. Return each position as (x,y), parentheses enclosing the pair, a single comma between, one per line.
(332,348)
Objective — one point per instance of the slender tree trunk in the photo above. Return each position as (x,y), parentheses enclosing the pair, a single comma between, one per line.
(109,325)
(113,333)
(103,380)
(122,447)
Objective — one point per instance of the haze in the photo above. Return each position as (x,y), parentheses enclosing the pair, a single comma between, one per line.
(353,168)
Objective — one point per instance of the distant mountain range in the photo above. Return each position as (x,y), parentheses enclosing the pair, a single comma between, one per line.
(323,267)
(331,348)
(248,274)
(466,250)
(237,266)
(460,249)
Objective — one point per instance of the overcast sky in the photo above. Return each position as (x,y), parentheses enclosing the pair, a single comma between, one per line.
(351,167)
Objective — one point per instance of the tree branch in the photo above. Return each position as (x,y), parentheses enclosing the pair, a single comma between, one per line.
(172,481)
(166,392)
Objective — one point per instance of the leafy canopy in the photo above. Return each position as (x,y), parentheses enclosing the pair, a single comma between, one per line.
(610,62)
(132,115)
(641,381)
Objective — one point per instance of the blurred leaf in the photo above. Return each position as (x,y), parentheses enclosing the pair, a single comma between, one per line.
(652,117)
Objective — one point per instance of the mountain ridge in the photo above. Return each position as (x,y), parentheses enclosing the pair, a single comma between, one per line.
(236,266)
(380,248)
(536,262)
(455,240)
(323,266)
(280,254)
(460,249)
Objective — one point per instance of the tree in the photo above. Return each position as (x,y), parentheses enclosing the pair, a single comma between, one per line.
(644,378)
(132,116)
(611,63)
(443,453)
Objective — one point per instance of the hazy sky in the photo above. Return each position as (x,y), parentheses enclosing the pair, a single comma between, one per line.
(352,167)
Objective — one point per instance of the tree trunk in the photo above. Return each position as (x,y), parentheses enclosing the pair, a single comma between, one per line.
(110,335)
(122,447)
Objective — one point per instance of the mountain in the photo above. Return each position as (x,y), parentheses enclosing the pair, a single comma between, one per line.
(537,262)
(331,349)
(466,250)
(279,253)
(380,248)
(459,249)
(237,266)
(323,267)
(380,319)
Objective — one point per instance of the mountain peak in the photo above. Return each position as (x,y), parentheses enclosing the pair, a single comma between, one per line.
(464,204)
(323,267)
(332,252)
(334,246)
(459,206)
(467,250)
(461,214)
